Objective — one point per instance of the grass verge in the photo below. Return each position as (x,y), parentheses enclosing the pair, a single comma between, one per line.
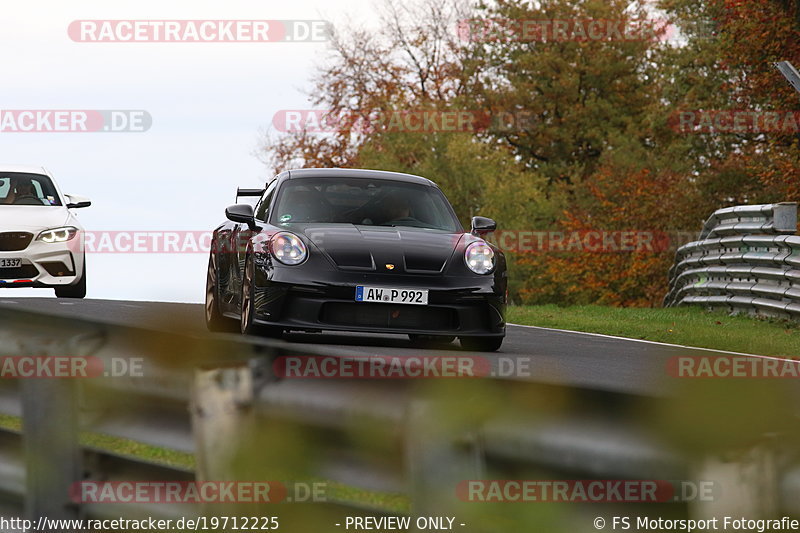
(689,326)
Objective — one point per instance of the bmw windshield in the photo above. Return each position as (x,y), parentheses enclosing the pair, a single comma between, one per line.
(27,189)
(363,202)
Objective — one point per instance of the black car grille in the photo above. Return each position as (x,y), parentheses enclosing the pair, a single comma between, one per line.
(14,241)
(22,272)
(389,316)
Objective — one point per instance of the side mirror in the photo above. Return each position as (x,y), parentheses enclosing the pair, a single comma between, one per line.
(482,225)
(242,213)
(75,202)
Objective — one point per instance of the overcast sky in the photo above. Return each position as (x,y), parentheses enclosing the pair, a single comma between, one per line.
(208,102)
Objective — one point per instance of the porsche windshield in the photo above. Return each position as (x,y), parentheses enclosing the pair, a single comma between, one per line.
(27,189)
(365,202)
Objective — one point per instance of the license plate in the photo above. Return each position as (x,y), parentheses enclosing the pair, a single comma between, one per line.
(10,263)
(391,295)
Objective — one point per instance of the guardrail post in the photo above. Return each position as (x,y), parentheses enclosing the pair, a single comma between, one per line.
(784,216)
(747,481)
(222,416)
(53,459)
(437,460)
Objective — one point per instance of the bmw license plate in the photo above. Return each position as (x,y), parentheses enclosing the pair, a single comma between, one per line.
(10,263)
(391,295)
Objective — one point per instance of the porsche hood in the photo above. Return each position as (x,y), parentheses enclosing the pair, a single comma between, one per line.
(380,249)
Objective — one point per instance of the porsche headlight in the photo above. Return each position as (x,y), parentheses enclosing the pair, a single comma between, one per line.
(479,257)
(57,234)
(288,248)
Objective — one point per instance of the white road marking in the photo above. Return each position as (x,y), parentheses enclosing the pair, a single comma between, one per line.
(658,343)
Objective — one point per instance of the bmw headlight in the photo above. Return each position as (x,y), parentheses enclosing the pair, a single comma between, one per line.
(57,234)
(288,248)
(479,257)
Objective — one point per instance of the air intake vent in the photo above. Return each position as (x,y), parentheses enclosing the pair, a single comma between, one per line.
(389,316)
(57,269)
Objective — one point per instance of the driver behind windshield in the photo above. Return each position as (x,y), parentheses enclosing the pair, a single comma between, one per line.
(32,190)
(396,207)
(25,190)
(18,190)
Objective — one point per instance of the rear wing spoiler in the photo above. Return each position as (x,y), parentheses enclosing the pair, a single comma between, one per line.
(248,192)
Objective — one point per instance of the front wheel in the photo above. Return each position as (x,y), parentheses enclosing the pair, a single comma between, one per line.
(247,310)
(74,291)
(481,344)
(215,320)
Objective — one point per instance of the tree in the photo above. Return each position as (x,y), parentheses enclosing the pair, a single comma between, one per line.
(592,144)
(727,64)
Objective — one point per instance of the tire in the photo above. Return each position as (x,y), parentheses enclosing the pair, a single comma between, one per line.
(247,307)
(430,341)
(74,291)
(215,320)
(481,344)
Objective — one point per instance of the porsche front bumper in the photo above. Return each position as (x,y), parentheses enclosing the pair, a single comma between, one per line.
(460,306)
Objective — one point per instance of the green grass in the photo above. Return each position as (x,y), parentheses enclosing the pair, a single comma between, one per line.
(685,325)
(119,446)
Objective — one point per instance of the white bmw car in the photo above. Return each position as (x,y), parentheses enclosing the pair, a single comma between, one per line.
(41,240)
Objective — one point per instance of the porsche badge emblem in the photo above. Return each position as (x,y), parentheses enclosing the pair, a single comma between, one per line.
(389,266)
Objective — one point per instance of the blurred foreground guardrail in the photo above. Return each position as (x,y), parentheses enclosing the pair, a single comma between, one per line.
(747,258)
(220,399)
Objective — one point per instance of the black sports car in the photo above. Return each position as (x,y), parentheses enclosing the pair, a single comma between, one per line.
(356,250)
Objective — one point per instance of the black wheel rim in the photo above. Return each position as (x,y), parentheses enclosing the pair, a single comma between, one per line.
(211,288)
(247,297)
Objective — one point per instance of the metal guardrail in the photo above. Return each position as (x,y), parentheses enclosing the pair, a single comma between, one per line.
(747,258)
(219,399)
